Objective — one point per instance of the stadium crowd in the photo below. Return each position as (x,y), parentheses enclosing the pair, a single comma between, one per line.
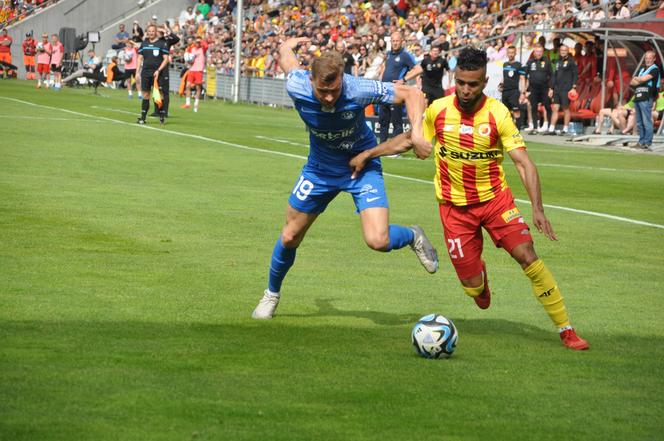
(12,11)
(362,31)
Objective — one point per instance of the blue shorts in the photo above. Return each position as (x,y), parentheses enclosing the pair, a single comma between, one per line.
(313,191)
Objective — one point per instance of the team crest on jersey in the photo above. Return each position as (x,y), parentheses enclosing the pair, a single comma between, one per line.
(348,115)
(542,63)
(448,127)
(484,129)
(155,52)
(397,59)
(465,130)
(510,74)
(510,215)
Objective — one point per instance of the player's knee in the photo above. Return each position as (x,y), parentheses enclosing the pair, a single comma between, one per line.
(291,239)
(524,254)
(378,242)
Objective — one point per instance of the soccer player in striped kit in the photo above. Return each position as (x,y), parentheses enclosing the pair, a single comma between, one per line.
(472,134)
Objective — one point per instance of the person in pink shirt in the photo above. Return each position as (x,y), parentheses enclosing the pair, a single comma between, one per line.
(57,54)
(43,61)
(131,60)
(195,74)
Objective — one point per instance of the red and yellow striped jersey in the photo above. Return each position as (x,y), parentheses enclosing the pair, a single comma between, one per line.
(469,149)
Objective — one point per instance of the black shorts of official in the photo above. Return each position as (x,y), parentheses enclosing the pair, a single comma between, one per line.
(433,94)
(56,68)
(511,99)
(560,97)
(130,73)
(147,80)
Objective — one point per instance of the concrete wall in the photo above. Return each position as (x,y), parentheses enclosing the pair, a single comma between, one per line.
(91,15)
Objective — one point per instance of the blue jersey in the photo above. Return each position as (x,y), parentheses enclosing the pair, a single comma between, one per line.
(397,65)
(338,135)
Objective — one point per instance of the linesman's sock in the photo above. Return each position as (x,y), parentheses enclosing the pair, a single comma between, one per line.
(145,107)
(282,260)
(400,236)
(547,292)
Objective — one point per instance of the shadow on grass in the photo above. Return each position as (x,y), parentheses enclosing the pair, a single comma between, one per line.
(326,308)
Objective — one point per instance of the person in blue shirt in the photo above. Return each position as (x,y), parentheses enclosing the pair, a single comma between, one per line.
(120,40)
(646,85)
(331,104)
(399,61)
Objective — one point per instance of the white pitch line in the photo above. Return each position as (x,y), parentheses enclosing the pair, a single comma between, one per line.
(126,112)
(539,164)
(290,155)
(608,169)
(44,118)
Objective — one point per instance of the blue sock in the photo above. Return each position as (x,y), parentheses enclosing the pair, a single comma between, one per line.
(400,237)
(282,260)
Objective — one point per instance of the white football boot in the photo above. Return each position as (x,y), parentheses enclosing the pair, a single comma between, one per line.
(424,250)
(266,307)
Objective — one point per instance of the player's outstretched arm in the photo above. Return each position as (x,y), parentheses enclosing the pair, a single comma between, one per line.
(399,144)
(287,59)
(415,106)
(530,178)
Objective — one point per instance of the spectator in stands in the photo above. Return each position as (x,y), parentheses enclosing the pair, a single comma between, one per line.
(203,8)
(120,39)
(29,52)
(187,16)
(136,32)
(597,16)
(538,75)
(647,85)
(399,62)
(620,11)
(350,64)
(564,79)
(362,60)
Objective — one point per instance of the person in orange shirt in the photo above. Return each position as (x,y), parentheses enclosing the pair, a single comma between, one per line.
(5,50)
(472,133)
(29,52)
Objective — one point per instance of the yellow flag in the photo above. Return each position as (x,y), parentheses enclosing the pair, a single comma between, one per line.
(156,94)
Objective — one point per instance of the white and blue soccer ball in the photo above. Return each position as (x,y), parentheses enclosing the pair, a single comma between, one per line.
(189,57)
(40,46)
(434,336)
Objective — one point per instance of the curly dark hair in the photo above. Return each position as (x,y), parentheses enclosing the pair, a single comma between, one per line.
(471,58)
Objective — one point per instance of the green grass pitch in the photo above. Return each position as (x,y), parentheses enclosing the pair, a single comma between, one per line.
(131,259)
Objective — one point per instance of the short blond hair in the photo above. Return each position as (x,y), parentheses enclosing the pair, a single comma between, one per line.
(327,67)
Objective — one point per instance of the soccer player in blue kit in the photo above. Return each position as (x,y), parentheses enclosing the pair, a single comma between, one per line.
(331,104)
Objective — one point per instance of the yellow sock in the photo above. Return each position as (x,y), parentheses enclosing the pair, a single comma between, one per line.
(473,292)
(547,292)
